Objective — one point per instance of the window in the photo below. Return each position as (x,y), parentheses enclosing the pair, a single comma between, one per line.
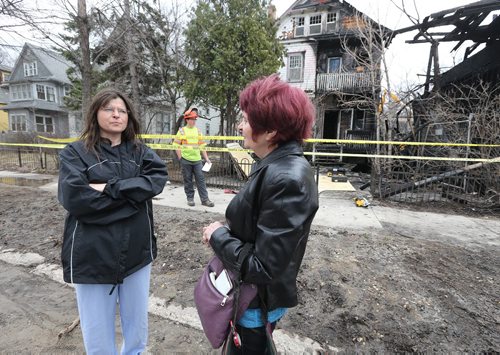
(359,120)
(4,77)
(163,123)
(299,26)
(315,25)
(30,69)
(18,123)
(51,96)
(334,64)
(331,22)
(44,124)
(46,93)
(296,67)
(40,92)
(20,92)
(207,129)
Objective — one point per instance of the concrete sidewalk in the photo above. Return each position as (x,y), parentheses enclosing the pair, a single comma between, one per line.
(337,211)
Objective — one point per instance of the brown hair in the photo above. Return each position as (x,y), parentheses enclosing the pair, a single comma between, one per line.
(91,133)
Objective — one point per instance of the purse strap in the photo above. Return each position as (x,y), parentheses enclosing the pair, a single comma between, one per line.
(245,251)
(271,346)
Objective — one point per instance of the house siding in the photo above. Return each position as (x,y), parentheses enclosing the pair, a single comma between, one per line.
(309,76)
(50,72)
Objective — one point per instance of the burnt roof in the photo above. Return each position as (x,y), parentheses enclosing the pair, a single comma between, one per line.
(467,21)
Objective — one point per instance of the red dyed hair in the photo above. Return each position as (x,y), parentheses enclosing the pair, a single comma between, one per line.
(272,104)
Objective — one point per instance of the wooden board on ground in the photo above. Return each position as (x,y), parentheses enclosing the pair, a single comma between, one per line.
(241,159)
(325,183)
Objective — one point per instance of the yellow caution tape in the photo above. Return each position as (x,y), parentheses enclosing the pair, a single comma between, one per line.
(312,140)
(152,136)
(58,140)
(173,136)
(406,157)
(35,145)
(441,144)
(205,148)
(161,146)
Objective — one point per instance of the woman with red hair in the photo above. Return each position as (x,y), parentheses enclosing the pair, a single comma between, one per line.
(268,221)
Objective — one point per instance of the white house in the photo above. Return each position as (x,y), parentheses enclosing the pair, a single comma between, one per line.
(315,34)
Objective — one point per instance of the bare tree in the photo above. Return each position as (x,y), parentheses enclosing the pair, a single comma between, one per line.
(130,47)
(83,25)
(365,44)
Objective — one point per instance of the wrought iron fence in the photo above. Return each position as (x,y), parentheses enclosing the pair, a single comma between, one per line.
(225,172)
(399,180)
(29,159)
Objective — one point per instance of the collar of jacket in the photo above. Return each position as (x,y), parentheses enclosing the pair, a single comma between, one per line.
(288,148)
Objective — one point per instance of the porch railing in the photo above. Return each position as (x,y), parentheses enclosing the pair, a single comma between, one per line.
(342,81)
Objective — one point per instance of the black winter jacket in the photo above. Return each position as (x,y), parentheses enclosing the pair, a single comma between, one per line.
(272,214)
(108,235)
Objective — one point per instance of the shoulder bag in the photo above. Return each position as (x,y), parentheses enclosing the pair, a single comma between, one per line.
(216,310)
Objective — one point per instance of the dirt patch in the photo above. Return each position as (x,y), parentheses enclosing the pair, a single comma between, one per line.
(359,291)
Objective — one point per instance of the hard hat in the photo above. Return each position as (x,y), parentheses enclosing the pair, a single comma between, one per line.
(191,114)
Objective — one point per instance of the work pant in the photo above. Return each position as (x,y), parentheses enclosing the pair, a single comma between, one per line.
(190,168)
(97,309)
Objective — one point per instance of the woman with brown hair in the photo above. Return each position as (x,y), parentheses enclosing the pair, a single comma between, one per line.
(107,180)
(268,221)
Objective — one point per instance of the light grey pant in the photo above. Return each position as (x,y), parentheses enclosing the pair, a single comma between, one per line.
(97,309)
(190,168)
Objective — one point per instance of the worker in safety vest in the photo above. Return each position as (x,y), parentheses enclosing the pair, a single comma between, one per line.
(190,137)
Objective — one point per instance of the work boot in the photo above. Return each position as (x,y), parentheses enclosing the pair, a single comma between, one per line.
(190,202)
(207,203)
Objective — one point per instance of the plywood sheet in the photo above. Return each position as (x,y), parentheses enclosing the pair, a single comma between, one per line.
(325,183)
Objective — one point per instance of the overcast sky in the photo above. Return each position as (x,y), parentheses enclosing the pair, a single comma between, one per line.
(405,60)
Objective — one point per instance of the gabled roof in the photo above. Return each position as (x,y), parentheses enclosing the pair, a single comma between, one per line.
(5,68)
(53,61)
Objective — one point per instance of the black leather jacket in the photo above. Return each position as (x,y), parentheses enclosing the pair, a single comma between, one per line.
(272,214)
(108,235)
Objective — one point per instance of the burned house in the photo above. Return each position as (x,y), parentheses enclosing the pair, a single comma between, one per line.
(333,53)
(456,116)
(458,91)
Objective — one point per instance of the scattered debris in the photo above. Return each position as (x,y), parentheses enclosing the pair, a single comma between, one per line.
(69,328)
(361,202)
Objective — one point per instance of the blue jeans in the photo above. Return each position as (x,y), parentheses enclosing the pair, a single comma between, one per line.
(97,309)
(190,168)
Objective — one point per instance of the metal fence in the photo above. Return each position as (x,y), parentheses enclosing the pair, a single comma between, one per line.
(448,183)
(224,173)
(29,159)
(399,180)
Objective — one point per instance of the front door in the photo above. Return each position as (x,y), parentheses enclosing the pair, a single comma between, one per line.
(330,126)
